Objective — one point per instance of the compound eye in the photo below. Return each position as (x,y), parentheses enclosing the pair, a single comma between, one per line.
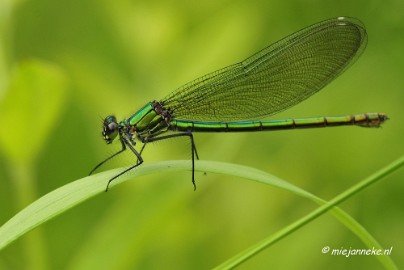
(111,128)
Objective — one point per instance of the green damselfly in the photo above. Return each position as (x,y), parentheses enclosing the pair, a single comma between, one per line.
(233,98)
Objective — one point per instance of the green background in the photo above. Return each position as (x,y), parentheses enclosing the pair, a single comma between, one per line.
(64,65)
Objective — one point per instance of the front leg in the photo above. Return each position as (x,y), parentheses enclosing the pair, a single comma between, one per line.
(109,158)
(138,162)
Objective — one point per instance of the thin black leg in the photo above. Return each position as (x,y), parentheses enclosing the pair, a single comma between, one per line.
(109,158)
(138,162)
(193,148)
(141,151)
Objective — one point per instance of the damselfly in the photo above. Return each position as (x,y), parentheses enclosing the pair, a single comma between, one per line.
(233,99)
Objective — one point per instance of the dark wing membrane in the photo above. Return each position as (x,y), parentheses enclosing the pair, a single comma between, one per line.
(274,79)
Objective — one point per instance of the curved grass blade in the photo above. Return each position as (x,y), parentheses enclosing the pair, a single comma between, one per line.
(348,221)
(66,197)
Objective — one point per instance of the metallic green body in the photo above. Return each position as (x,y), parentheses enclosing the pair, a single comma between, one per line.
(147,122)
(364,120)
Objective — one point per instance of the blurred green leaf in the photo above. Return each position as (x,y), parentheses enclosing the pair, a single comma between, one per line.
(30,108)
(5,14)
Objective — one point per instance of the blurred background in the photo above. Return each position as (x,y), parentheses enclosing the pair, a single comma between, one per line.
(64,65)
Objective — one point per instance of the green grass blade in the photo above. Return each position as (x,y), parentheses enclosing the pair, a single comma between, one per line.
(66,197)
(326,206)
